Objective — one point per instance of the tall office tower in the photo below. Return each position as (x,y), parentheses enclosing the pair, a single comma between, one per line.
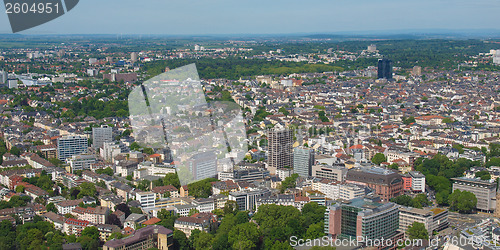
(134,56)
(385,68)
(101,135)
(203,165)
(3,76)
(303,159)
(280,152)
(71,145)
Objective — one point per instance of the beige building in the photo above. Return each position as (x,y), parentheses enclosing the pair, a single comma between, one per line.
(201,221)
(434,219)
(335,173)
(484,191)
(154,236)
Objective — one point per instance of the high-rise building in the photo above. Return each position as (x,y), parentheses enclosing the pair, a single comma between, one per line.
(303,159)
(71,145)
(385,69)
(280,152)
(203,165)
(134,56)
(362,217)
(101,135)
(417,71)
(496,57)
(111,149)
(3,76)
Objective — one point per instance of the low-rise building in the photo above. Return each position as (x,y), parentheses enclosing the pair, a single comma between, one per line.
(202,221)
(154,236)
(95,215)
(160,191)
(147,199)
(434,219)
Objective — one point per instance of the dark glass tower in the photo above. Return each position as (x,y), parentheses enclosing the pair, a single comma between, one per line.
(385,68)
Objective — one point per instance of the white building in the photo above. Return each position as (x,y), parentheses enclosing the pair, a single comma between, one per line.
(147,199)
(283,173)
(80,162)
(110,150)
(417,181)
(204,205)
(101,135)
(351,191)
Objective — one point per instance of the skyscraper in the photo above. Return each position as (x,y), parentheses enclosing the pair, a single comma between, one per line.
(203,165)
(134,56)
(3,76)
(303,159)
(280,153)
(71,145)
(101,135)
(385,69)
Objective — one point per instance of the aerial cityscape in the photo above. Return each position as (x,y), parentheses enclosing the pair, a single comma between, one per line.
(304,140)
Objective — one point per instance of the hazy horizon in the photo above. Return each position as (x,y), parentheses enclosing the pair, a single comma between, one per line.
(224,17)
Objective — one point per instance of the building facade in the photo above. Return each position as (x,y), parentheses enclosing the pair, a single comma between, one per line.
(362,217)
(71,145)
(154,236)
(280,142)
(303,159)
(484,191)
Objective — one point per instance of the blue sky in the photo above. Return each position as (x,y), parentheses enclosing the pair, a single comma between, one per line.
(199,17)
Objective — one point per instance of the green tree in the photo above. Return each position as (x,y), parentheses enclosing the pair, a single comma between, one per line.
(180,240)
(315,231)
(91,232)
(462,201)
(19,189)
(107,171)
(417,231)
(203,241)
(87,189)
(193,211)
(289,182)
(244,236)
(231,207)
(201,189)
(379,158)
(15,151)
(51,208)
(167,218)
(409,120)
(483,175)
(403,200)
(420,201)
(284,111)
